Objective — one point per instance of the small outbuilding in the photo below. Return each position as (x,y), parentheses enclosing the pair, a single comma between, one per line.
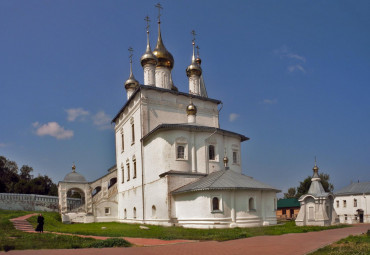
(316,205)
(287,208)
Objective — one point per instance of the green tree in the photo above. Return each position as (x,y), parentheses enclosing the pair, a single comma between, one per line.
(26,172)
(291,193)
(304,186)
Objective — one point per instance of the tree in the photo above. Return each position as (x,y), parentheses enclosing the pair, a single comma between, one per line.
(25,172)
(304,186)
(291,193)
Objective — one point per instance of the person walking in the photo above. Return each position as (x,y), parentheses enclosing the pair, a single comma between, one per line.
(40,225)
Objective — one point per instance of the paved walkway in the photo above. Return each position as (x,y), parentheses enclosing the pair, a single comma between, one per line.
(22,224)
(262,245)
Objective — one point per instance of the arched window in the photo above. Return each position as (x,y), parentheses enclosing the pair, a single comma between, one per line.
(215,204)
(125,214)
(211,152)
(180,152)
(354,202)
(134,212)
(96,191)
(154,211)
(251,204)
(112,182)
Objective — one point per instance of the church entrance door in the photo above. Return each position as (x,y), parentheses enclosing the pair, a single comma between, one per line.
(361,215)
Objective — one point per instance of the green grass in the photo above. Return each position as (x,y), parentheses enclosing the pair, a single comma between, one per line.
(12,239)
(113,229)
(352,245)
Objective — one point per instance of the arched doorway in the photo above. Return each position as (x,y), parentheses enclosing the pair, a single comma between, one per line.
(76,200)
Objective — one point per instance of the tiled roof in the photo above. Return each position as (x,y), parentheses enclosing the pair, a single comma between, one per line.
(225,180)
(288,202)
(355,189)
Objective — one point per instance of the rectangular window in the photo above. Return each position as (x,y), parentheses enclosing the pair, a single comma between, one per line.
(337,203)
(344,203)
(354,202)
(123,174)
(122,142)
(133,133)
(134,169)
(235,157)
(211,152)
(345,217)
(107,210)
(128,171)
(180,152)
(284,211)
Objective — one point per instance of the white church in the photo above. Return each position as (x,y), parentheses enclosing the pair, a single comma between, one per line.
(174,164)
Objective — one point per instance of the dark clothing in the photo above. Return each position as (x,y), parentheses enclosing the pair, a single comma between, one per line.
(40,225)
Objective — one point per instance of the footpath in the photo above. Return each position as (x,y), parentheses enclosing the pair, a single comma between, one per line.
(302,243)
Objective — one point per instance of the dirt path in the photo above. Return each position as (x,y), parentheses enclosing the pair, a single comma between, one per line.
(284,244)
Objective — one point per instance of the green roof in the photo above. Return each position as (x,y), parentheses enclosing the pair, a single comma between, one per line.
(288,202)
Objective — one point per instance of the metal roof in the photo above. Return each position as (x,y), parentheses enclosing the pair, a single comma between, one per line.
(193,128)
(288,202)
(225,180)
(162,90)
(354,189)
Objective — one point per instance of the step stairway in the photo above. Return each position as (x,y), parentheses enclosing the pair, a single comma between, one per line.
(22,224)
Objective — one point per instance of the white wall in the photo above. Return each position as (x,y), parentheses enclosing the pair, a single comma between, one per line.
(363,203)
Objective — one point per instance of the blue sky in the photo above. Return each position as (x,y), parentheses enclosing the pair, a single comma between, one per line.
(292,75)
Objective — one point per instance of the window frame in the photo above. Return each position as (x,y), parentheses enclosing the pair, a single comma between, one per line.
(134,168)
(209,152)
(220,204)
(128,170)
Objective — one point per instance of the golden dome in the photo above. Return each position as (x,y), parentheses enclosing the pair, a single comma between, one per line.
(131,82)
(194,67)
(164,57)
(148,57)
(191,109)
(198,61)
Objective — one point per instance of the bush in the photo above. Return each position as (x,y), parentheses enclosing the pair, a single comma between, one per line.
(111,242)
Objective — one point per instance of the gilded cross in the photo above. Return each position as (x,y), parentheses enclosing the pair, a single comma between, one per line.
(131,50)
(147,22)
(193,34)
(159,6)
(197,50)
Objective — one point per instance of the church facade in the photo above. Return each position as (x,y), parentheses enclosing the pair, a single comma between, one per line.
(174,164)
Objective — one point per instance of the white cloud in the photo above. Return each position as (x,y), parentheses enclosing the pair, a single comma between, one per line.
(53,129)
(233,117)
(76,113)
(295,61)
(269,101)
(102,120)
(297,67)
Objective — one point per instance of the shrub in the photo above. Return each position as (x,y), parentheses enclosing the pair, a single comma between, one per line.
(111,242)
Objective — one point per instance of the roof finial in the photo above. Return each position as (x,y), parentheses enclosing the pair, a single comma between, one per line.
(147,23)
(193,42)
(159,6)
(147,34)
(315,161)
(73,167)
(130,49)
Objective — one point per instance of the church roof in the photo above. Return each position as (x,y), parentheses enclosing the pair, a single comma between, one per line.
(198,128)
(74,177)
(356,188)
(225,180)
(145,87)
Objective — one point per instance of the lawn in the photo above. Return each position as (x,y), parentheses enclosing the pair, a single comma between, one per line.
(352,245)
(114,229)
(12,239)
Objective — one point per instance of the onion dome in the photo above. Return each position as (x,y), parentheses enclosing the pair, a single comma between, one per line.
(131,82)
(194,67)
(148,57)
(164,57)
(74,176)
(191,109)
(315,170)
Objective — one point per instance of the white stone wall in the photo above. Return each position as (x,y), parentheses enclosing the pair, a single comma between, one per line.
(160,152)
(363,203)
(28,202)
(160,107)
(194,209)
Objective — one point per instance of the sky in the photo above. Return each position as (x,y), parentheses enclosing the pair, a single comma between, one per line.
(293,76)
